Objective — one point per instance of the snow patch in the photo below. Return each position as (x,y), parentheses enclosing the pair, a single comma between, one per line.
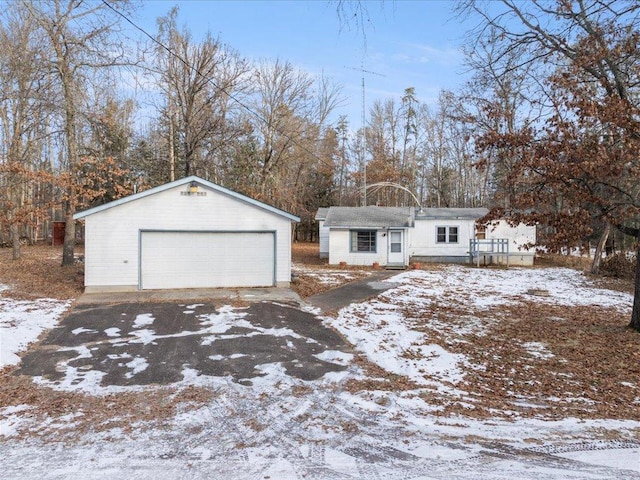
(143,320)
(112,332)
(538,350)
(23,321)
(335,356)
(136,365)
(79,330)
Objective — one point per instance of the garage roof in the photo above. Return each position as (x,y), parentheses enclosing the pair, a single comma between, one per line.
(183,181)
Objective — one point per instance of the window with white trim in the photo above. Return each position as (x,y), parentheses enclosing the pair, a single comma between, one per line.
(363,241)
(446,234)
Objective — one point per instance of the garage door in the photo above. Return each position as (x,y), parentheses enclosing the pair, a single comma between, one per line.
(206,259)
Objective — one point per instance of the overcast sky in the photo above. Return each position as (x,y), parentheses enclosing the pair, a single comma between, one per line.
(407,43)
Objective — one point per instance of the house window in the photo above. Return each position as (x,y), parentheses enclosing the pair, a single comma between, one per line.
(447,234)
(481,232)
(363,241)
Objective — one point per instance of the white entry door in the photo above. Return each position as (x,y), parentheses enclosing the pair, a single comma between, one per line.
(396,247)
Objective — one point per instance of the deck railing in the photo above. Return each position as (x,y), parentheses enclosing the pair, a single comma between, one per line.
(487,249)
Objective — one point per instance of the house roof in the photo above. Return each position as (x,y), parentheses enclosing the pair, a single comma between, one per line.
(321,214)
(451,213)
(394,217)
(183,181)
(369,217)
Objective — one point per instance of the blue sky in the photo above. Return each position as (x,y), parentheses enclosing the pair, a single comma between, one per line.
(409,43)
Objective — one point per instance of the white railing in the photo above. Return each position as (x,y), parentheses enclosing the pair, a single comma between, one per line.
(487,249)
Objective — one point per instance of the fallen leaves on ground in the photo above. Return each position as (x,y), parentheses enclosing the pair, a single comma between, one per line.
(525,358)
(313,275)
(148,407)
(39,274)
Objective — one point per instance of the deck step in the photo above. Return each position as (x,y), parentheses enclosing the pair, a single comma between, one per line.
(395,267)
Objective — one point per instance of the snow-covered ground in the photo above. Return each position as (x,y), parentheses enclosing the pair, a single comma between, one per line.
(22,322)
(283,428)
(387,334)
(328,276)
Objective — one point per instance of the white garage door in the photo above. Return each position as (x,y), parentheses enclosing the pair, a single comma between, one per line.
(206,259)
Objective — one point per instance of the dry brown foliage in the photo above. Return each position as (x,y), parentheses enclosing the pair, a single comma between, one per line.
(147,408)
(377,379)
(590,371)
(589,367)
(306,253)
(568,261)
(619,265)
(307,284)
(39,274)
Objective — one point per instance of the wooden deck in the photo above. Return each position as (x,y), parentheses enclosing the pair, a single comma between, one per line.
(492,251)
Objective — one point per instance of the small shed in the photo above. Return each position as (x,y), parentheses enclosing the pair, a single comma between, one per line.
(323,232)
(57,233)
(190,233)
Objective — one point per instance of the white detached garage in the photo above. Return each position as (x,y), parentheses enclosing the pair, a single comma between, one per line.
(190,233)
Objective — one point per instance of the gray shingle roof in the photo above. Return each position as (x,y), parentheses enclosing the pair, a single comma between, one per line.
(451,213)
(369,217)
(321,214)
(395,217)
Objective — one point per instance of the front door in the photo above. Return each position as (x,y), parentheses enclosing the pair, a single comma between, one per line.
(396,248)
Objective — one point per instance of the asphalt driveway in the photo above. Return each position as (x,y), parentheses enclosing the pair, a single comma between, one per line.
(139,343)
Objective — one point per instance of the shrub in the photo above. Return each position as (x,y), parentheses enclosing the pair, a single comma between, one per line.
(619,265)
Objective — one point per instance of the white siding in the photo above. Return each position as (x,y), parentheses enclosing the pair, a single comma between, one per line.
(323,233)
(423,241)
(112,235)
(340,242)
(518,236)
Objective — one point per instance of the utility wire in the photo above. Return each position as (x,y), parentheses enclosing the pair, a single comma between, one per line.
(211,81)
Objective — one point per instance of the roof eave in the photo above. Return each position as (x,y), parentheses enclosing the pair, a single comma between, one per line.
(177,183)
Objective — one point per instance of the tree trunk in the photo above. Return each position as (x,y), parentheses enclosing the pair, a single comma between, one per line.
(69,234)
(14,235)
(14,228)
(635,314)
(172,151)
(70,131)
(597,258)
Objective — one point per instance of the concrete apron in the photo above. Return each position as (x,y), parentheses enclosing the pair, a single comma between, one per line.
(249,295)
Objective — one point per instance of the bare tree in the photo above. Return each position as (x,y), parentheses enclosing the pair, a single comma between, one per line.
(203,82)
(505,97)
(23,113)
(284,108)
(81,39)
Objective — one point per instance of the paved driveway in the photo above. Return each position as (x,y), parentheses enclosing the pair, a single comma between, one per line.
(136,343)
(284,429)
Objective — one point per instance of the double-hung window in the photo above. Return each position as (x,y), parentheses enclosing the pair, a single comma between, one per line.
(446,234)
(363,241)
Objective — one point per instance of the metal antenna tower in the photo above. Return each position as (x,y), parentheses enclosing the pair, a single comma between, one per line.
(363,134)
